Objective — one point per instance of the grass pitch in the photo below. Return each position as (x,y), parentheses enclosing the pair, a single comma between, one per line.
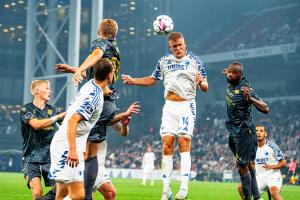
(13,187)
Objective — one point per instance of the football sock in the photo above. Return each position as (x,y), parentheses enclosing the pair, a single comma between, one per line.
(246,186)
(185,164)
(254,187)
(50,195)
(67,198)
(167,166)
(90,175)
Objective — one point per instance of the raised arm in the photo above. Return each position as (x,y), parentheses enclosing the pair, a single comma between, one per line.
(38,124)
(72,158)
(259,104)
(145,81)
(202,82)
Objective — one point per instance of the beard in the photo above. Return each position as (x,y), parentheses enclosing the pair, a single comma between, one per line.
(233,81)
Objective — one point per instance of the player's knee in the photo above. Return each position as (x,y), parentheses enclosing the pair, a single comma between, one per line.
(168,146)
(184,144)
(110,195)
(91,150)
(243,170)
(78,195)
(274,191)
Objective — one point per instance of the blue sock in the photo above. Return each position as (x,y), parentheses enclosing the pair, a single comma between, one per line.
(90,175)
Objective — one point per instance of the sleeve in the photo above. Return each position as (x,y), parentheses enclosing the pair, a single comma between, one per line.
(26,114)
(99,44)
(157,71)
(277,152)
(88,105)
(201,68)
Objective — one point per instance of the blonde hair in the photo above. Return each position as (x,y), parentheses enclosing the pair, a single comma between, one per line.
(108,28)
(175,36)
(36,83)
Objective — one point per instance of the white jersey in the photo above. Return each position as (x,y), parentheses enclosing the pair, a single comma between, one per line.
(88,103)
(148,161)
(269,153)
(179,74)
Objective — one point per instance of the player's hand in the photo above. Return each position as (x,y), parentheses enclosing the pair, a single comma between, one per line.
(61,115)
(199,78)
(246,92)
(127,79)
(72,159)
(61,67)
(267,166)
(77,77)
(133,108)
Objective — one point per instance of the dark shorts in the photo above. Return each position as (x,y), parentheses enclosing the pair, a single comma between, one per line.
(32,170)
(243,144)
(98,132)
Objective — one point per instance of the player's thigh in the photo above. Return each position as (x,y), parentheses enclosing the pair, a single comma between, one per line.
(32,172)
(36,185)
(245,152)
(61,190)
(91,149)
(76,190)
(274,182)
(184,143)
(168,141)
(261,184)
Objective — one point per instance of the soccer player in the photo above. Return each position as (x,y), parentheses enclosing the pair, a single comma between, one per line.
(269,160)
(182,72)
(69,142)
(38,120)
(103,47)
(242,137)
(148,165)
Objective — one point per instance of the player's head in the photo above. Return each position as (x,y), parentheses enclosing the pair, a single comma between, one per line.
(108,28)
(103,70)
(41,89)
(177,44)
(234,72)
(149,149)
(261,132)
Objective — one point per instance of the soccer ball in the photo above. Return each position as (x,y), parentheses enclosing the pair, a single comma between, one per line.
(163,25)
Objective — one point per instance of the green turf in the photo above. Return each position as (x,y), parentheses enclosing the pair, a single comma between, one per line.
(13,187)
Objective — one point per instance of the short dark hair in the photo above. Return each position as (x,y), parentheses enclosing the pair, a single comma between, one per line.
(102,68)
(175,36)
(260,125)
(237,66)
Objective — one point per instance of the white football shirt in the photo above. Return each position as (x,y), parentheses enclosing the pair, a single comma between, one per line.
(88,103)
(270,153)
(148,160)
(179,74)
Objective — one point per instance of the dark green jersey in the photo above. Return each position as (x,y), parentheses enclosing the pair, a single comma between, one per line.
(36,143)
(238,108)
(110,51)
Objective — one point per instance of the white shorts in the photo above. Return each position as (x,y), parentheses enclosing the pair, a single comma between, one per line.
(178,118)
(60,171)
(102,176)
(264,183)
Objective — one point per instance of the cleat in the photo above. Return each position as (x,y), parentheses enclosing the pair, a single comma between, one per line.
(167,195)
(182,194)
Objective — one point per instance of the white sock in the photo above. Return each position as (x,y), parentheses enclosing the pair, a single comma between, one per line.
(67,198)
(185,169)
(166,167)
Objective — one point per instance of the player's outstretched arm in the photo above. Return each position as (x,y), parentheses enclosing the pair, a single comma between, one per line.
(145,81)
(38,124)
(72,158)
(133,108)
(259,104)
(90,61)
(279,165)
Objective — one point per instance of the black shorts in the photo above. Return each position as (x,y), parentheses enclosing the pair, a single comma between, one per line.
(243,144)
(33,169)
(98,132)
